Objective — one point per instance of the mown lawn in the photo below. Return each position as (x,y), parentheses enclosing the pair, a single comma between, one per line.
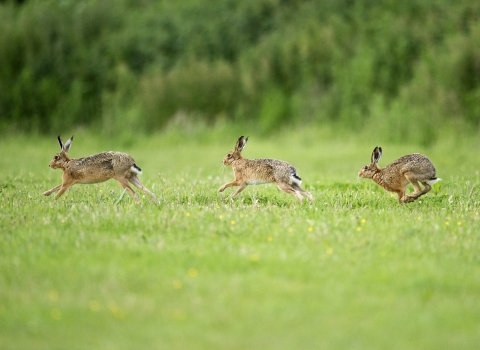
(355,270)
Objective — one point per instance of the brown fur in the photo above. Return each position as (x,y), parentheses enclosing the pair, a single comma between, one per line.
(258,171)
(413,168)
(95,168)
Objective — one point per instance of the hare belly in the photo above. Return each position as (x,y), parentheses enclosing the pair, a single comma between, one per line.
(257,182)
(92,181)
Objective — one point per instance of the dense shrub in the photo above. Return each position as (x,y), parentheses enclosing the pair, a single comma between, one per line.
(405,67)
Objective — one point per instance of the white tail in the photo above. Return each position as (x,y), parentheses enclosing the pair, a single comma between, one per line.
(295,179)
(433,181)
(136,169)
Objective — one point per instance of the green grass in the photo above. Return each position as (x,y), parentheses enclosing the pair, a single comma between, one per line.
(355,270)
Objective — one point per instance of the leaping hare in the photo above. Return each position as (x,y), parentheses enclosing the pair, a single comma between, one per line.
(260,171)
(412,168)
(96,168)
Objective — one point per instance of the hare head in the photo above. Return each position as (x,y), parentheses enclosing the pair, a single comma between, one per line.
(60,159)
(371,169)
(237,152)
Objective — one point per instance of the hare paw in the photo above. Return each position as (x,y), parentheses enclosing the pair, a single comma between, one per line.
(408,199)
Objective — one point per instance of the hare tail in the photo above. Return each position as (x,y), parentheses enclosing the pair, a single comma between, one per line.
(296,179)
(433,181)
(136,169)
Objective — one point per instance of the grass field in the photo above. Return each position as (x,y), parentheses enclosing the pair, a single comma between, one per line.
(355,270)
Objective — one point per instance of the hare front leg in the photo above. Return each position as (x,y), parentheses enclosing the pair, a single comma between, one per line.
(240,189)
(401,196)
(49,192)
(67,182)
(229,184)
(63,189)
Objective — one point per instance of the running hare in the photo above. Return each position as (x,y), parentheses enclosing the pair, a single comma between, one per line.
(412,168)
(96,168)
(260,171)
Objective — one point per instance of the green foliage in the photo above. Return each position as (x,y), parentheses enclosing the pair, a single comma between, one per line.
(403,66)
(208,89)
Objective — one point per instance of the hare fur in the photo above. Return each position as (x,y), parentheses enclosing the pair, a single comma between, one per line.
(260,171)
(413,168)
(96,168)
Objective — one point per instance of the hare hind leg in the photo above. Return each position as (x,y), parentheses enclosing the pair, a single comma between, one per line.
(307,194)
(136,182)
(124,183)
(418,190)
(290,190)
(426,187)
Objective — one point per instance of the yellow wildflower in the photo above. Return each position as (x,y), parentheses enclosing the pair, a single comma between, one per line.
(192,272)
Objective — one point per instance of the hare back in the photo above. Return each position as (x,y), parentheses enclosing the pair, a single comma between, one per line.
(415,164)
(258,171)
(101,166)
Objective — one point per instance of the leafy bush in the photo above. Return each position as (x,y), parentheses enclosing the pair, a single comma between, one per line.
(404,66)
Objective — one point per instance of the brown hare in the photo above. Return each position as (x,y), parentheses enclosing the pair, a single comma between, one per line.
(96,168)
(261,171)
(412,168)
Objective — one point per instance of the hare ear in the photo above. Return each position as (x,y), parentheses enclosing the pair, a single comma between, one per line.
(60,141)
(376,155)
(68,144)
(245,142)
(241,143)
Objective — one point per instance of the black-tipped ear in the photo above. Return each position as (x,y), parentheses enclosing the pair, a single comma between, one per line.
(376,155)
(241,143)
(60,141)
(244,143)
(68,144)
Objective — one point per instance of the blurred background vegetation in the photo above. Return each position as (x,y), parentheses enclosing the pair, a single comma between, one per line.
(406,69)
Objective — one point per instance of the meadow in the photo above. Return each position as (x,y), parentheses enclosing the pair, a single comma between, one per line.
(354,270)
(174,84)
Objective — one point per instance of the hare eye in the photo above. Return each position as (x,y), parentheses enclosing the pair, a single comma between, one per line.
(365,167)
(56,157)
(229,155)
